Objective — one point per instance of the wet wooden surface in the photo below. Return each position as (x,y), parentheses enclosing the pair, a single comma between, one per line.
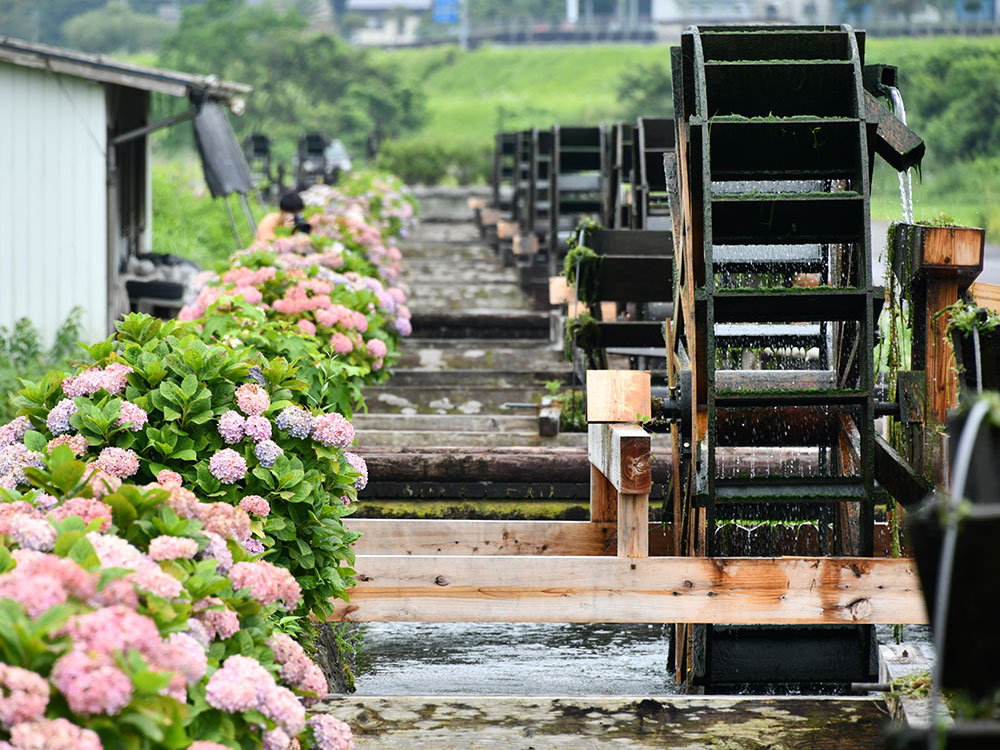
(592,723)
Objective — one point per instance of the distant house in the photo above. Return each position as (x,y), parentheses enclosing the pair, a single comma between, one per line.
(388,22)
(75,184)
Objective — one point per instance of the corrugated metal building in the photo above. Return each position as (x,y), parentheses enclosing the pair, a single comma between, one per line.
(75,184)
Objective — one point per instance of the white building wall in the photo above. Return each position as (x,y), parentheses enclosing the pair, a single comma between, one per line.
(53,199)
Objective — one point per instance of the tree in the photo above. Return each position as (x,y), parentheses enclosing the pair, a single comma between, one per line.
(645,92)
(302,81)
(116,27)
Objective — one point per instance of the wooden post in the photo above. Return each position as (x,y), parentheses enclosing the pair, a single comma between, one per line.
(603,497)
(633,525)
(942,262)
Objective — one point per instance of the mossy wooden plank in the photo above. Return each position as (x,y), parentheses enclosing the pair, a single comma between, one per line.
(596,723)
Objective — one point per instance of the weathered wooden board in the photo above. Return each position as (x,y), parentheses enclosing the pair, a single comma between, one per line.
(633,523)
(617,395)
(596,723)
(768,591)
(622,454)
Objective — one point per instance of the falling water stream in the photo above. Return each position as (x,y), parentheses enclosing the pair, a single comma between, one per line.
(905,178)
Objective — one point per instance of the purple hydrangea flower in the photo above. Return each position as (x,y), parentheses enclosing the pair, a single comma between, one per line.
(295,421)
(267,452)
(58,419)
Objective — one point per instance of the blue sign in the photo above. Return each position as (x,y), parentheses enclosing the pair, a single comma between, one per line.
(445,12)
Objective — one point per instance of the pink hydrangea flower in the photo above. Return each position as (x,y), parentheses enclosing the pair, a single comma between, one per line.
(172,548)
(116,377)
(91,685)
(112,629)
(23,696)
(228,466)
(86,508)
(206,745)
(341,344)
(224,519)
(103,483)
(118,462)
(33,533)
(76,443)
(216,618)
(258,428)
(168,478)
(252,399)
(330,733)
(267,583)
(233,688)
(53,734)
(218,550)
(45,501)
(333,430)
(255,505)
(377,348)
(183,654)
(133,416)
(231,426)
(360,466)
(297,669)
(307,327)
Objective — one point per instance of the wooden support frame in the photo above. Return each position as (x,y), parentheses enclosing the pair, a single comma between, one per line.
(767,591)
(620,481)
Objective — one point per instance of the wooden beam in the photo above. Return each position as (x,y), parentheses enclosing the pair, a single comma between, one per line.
(408,536)
(767,591)
(447,537)
(618,395)
(475,203)
(621,452)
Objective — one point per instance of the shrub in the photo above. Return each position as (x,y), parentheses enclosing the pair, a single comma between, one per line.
(22,356)
(428,162)
(156,397)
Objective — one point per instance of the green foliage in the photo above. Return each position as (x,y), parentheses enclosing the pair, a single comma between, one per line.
(188,221)
(302,81)
(115,27)
(431,161)
(646,91)
(22,356)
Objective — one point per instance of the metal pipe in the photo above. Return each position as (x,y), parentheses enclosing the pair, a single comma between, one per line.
(232,222)
(963,456)
(147,129)
(245,205)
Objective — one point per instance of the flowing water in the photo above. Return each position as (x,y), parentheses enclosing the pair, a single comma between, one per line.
(514,659)
(905,178)
(528,658)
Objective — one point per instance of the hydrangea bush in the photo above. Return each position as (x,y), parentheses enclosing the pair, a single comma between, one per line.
(330,297)
(226,421)
(133,616)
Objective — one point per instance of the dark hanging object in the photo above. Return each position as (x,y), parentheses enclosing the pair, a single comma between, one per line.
(225,167)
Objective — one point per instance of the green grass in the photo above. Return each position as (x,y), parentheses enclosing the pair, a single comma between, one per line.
(472,95)
(187,221)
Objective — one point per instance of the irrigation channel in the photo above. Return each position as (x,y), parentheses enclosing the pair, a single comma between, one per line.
(478,345)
